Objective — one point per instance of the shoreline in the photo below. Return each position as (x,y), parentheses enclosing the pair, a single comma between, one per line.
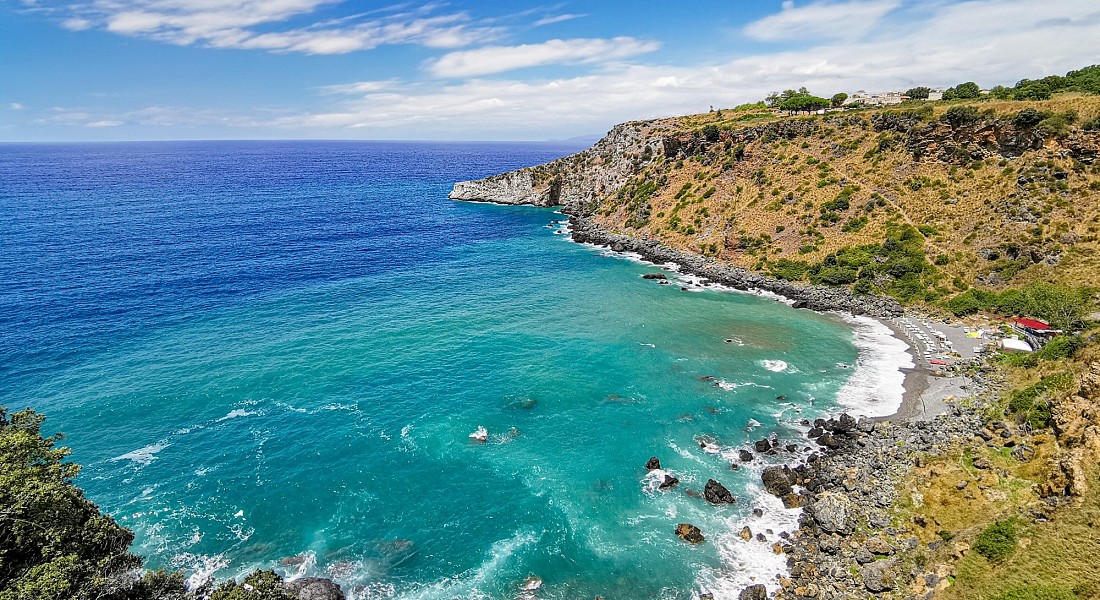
(917,380)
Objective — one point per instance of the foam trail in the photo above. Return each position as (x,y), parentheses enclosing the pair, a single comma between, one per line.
(876,387)
(143,456)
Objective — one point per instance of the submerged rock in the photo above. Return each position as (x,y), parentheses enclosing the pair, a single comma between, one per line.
(689,533)
(659,276)
(716,493)
(653,464)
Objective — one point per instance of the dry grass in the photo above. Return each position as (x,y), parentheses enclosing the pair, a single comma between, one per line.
(780,186)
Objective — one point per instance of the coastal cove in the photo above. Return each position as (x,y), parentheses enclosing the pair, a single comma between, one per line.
(302,400)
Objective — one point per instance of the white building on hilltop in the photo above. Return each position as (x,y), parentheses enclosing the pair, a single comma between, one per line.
(862,98)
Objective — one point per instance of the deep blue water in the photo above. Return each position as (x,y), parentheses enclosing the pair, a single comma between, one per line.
(266,350)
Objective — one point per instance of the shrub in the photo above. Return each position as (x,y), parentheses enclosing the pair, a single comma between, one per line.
(1029,117)
(1065,346)
(959,116)
(1031,404)
(711,133)
(997,541)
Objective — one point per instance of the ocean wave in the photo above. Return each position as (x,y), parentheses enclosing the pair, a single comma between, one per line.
(143,456)
(775,366)
(876,386)
(236,413)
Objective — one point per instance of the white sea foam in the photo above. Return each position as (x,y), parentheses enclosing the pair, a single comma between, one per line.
(236,413)
(143,456)
(876,386)
(201,567)
(776,366)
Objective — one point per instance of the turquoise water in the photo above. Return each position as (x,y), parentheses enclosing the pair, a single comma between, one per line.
(323,410)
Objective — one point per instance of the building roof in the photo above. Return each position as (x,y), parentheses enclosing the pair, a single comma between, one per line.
(1033,324)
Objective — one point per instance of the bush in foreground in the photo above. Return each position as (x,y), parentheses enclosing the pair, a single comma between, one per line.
(997,541)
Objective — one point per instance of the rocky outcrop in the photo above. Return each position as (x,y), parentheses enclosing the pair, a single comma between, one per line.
(314,588)
(813,297)
(716,493)
(575,180)
(689,533)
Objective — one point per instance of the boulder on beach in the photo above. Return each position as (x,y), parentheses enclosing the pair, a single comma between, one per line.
(689,533)
(315,588)
(653,464)
(716,493)
(833,513)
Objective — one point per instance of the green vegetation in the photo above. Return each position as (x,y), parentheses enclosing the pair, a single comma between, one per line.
(1031,404)
(998,540)
(963,91)
(918,93)
(1037,592)
(55,544)
(1064,307)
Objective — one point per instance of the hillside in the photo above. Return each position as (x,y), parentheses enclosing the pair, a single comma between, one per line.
(988,193)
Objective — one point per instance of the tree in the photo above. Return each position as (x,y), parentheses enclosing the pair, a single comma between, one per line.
(1031,90)
(804,103)
(1000,92)
(54,542)
(1064,307)
(773,99)
(963,91)
(838,99)
(918,93)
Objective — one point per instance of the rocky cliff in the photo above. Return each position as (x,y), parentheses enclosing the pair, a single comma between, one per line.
(574,180)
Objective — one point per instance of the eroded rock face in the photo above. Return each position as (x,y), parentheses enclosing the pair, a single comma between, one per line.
(754,592)
(315,588)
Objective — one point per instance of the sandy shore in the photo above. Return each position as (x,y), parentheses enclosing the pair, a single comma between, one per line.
(928,393)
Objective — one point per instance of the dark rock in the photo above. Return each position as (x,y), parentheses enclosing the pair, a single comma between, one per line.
(815,432)
(652,464)
(660,276)
(668,482)
(777,481)
(744,455)
(716,493)
(689,533)
(758,512)
(754,592)
(315,588)
(791,448)
(763,445)
(761,538)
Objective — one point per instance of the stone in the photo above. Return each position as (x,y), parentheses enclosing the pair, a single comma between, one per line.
(315,588)
(777,480)
(744,455)
(652,464)
(754,592)
(746,533)
(658,276)
(763,445)
(833,512)
(689,533)
(716,493)
(668,482)
(879,546)
(758,512)
(879,576)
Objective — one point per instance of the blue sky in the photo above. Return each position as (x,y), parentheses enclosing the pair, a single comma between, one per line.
(260,69)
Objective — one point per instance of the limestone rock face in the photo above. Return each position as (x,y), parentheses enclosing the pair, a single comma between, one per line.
(573,180)
(315,588)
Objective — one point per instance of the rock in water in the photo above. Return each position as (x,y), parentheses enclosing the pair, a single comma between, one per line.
(763,445)
(689,533)
(716,493)
(315,588)
(668,482)
(754,592)
(746,533)
(652,464)
(777,480)
(658,276)
(531,584)
(744,455)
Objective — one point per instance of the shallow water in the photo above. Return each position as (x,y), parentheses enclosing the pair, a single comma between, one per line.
(279,349)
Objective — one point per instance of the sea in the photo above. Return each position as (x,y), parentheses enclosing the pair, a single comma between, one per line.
(273,355)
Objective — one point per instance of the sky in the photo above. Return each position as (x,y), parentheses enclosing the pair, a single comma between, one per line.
(91,70)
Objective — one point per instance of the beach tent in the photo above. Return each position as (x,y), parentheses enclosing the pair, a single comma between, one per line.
(1016,344)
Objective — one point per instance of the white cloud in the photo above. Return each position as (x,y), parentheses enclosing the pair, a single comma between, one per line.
(557,19)
(819,20)
(359,87)
(498,59)
(16,106)
(106,123)
(236,24)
